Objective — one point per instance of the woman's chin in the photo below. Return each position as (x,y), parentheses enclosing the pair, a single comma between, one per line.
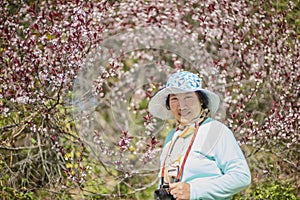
(184,121)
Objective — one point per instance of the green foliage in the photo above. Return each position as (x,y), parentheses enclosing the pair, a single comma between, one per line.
(270,189)
(11,193)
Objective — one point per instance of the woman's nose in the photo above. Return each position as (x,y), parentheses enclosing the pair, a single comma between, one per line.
(182,103)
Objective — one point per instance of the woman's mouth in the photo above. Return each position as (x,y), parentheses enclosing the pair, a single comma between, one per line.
(184,113)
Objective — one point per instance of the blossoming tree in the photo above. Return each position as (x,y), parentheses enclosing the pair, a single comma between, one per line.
(76,77)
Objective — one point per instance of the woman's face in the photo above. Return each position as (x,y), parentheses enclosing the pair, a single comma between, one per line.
(185,107)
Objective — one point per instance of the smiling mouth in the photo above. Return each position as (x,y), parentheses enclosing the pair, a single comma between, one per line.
(184,113)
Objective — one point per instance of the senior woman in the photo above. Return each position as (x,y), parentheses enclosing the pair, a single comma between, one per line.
(201,158)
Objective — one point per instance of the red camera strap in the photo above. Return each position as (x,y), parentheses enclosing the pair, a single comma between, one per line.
(185,156)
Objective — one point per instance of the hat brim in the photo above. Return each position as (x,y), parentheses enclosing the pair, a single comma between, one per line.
(157,104)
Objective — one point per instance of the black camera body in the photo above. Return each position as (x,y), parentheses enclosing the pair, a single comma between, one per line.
(163,193)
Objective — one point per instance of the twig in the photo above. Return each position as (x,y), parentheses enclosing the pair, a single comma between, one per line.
(41,154)
(145,187)
(19,148)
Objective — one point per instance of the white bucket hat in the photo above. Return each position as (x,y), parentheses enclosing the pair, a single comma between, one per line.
(180,82)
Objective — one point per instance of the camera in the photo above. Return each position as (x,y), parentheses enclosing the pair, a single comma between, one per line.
(163,193)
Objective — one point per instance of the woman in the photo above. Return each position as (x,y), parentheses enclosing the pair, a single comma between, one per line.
(201,158)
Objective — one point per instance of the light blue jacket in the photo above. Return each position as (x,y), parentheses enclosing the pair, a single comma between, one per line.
(216,167)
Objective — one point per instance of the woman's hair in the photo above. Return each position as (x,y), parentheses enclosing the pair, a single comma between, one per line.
(202,98)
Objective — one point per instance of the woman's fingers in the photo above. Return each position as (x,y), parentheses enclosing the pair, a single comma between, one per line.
(180,190)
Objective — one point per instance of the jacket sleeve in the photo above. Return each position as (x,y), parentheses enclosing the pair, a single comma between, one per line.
(235,171)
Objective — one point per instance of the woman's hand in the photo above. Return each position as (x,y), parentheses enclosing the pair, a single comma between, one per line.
(180,190)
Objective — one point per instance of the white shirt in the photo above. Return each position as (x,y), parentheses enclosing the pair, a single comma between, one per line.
(216,167)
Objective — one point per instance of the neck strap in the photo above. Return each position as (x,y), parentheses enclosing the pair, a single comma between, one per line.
(185,156)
